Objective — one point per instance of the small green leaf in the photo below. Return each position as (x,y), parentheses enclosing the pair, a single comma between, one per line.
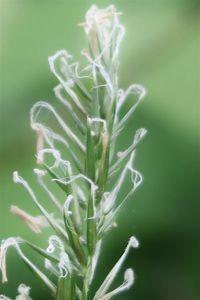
(103,166)
(54,224)
(139,135)
(42,252)
(73,277)
(91,225)
(54,176)
(90,155)
(64,288)
(82,89)
(71,189)
(41,276)
(74,239)
(84,293)
(57,228)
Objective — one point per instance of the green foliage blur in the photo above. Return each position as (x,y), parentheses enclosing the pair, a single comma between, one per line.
(160,51)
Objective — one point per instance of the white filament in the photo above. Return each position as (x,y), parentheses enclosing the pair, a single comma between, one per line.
(40,174)
(128,282)
(110,200)
(133,243)
(136,89)
(62,54)
(15,243)
(99,120)
(52,222)
(49,266)
(55,242)
(58,94)
(50,137)
(41,104)
(67,203)
(140,133)
(64,264)
(55,153)
(76,177)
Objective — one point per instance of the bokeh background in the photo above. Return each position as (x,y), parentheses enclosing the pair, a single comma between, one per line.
(161,51)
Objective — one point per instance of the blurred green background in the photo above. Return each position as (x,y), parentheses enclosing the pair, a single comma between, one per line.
(161,51)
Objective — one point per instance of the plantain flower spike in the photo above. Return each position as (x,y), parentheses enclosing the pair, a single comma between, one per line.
(81,173)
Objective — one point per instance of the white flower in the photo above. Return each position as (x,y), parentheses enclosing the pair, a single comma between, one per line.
(103,29)
(23,291)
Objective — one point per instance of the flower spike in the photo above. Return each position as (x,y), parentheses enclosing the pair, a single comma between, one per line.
(80,171)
